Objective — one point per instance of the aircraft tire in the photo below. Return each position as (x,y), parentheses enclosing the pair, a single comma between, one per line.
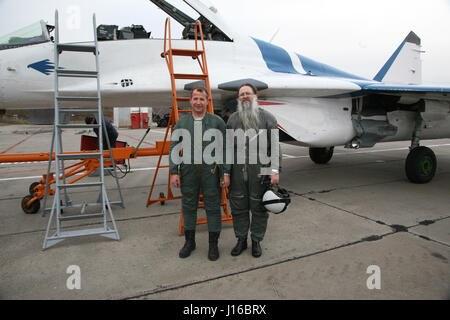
(420,165)
(321,155)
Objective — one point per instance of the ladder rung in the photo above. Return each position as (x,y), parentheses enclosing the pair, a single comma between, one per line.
(82,216)
(77,233)
(78,126)
(78,110)
(77,98)
(184,110)
(76,73)
(186,52)
(72,156)
(183,99)
(81,185)
(190,76)
(76,48)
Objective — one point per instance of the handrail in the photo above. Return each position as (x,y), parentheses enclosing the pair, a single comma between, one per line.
(204,66)
(167,26)
(168,56)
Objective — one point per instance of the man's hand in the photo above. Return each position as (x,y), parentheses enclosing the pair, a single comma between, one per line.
(274,178)
(225,182)
(175,178)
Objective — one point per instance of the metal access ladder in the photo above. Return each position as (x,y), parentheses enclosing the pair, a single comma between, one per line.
(198,54)
(109,228)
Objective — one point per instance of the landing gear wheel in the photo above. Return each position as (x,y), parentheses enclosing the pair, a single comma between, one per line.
(321,155)
(33,208)
(420,165)
(32,186)
(161,195)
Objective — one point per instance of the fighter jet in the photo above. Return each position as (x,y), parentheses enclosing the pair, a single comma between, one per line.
(316,105)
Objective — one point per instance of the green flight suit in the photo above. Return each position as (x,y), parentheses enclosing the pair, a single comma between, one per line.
(247,184)
(200,178)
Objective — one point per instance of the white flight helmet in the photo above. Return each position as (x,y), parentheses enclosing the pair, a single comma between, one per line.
(276,199)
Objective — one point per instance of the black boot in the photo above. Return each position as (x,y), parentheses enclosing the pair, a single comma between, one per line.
(213,252)
(256,249)
(189,245)
(240,246)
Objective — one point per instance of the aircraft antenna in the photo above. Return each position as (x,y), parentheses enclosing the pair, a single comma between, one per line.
(274,35)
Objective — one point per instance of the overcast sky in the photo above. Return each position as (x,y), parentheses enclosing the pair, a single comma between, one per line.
(357,36)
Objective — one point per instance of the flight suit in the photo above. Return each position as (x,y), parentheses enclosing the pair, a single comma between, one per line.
(247,184)
(200,178)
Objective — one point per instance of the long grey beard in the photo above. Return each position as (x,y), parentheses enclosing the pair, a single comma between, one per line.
(249,114)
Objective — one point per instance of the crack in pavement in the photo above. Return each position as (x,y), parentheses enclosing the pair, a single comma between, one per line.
(395,227)
(343,188)
(165,288)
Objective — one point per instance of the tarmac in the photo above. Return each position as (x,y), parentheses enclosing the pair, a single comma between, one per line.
(356,229)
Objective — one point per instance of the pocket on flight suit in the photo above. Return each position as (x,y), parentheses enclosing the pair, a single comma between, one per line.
(238,201)
(186,180)
(256,204)
(210,183)
(256,194)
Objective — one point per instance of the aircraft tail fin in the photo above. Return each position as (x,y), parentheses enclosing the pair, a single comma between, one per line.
(404,66)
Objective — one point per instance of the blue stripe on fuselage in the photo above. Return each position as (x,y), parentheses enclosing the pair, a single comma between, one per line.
(315,68)
(276,58)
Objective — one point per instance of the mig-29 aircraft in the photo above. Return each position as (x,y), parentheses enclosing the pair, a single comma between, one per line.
(316,105)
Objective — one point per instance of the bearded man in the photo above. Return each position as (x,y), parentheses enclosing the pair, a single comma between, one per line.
(247,180)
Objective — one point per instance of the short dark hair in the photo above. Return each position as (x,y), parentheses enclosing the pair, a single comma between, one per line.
(255,91)
(89,119)
(200,89)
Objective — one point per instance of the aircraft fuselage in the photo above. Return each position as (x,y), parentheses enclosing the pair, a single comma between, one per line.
(314,110)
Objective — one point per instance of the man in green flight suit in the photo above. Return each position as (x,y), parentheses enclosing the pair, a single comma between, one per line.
(196,173)
(249,179)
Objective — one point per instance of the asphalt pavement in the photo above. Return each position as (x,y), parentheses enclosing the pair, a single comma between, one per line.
(356,229)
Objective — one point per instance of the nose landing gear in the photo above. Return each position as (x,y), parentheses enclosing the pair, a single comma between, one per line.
(321,155)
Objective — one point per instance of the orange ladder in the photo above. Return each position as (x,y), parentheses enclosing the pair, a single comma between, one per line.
(199,55)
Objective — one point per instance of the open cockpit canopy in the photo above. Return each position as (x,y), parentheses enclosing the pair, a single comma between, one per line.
(214,28)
